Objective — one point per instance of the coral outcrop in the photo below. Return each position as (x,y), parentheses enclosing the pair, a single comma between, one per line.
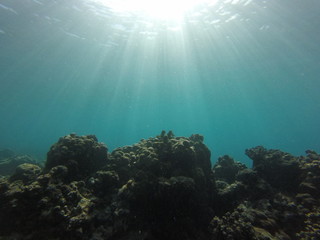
(160,188)
(167,187)
(82,155)
(278,168)
(277,199)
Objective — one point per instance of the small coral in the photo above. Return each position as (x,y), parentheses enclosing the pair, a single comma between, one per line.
(235,225)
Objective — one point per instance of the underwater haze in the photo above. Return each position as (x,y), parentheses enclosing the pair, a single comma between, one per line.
(240,72)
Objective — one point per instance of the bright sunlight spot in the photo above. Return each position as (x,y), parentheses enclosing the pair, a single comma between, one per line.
(159,9)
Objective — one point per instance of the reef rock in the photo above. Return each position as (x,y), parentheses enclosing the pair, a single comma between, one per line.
(160,188)
(82,155)
(268,209)
(278,168)
(43,208)
(167,186)
(226,169)
(9,161)
(236,183)
(26,172)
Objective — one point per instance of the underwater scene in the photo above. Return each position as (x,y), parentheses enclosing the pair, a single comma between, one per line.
(159,120)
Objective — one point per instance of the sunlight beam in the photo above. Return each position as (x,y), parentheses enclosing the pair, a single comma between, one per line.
(158,9)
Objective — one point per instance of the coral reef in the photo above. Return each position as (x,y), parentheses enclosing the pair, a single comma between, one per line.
(160,188)
(81,155)
(278,168)
(277,199)
(226,169)
(166,187)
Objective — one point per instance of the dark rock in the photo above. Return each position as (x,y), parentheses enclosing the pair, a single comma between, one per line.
(160,188)
(226,169)
(43,209)
(248,177)
(306,200)
(310,176)
(313,155)
(307,187)
(82,155)
(196,138)
(59,174)
(235,225)
(10,161)
(26,172)
(103,182)
(230,195)
(256,187)
(279,169)
(167,186)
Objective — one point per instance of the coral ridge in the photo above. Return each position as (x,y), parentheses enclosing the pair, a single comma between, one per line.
(160,188)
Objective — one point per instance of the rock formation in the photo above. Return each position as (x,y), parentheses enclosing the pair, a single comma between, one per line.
(160,188)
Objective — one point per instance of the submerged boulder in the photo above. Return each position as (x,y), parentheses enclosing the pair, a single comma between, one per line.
(167,186)
(82,155)
(42,208)
(278,168)
(26,172)
(226,169)
(9,161)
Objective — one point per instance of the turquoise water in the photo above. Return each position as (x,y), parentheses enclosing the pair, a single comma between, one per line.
(241,73)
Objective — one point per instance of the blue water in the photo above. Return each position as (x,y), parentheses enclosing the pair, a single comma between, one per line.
(241,73)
